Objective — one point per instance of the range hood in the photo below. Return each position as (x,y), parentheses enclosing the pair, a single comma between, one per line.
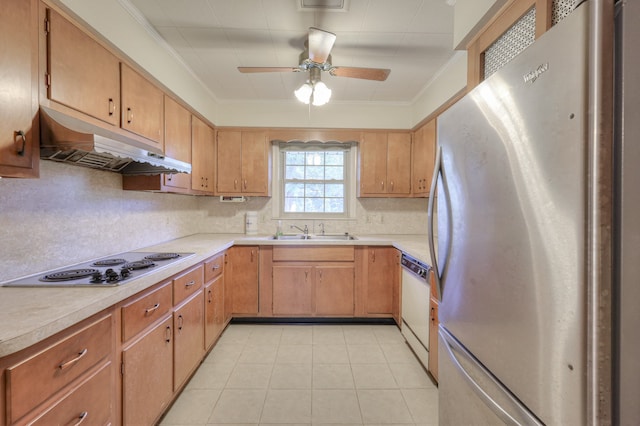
(67,139)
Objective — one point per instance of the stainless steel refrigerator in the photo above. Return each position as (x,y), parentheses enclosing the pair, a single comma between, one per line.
(538,233)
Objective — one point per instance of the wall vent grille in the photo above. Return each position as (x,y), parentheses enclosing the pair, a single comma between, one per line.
(560,9)
(511,43)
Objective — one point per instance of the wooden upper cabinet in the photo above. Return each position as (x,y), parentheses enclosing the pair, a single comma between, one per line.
(81,73)
(424,143)
(202,156)
(243,163)
(19,135)
(229,161)
(385,164)
(142,106)
(177,142)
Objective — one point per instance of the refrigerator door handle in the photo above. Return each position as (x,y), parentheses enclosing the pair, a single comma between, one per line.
(432,196)
(519,415)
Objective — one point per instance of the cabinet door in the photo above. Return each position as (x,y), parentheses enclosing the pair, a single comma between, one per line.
(373,164)
(292,290)
(334,290)
(382,273)
(147,379)
(214,311)
(19,137)
(433,338)
(142,107)
(255,163)
(203,155)
(188,345)
(229,162)
(243,273)
(423,159)
(399,163)
(177,141)
(83,75)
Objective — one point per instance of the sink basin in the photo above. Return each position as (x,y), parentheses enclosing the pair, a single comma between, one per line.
(337,237)
(289,237)
(303,237)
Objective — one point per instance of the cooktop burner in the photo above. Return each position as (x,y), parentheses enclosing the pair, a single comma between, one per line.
(109,262)
(162,256)
(70,274)
(105,272)
(139,264)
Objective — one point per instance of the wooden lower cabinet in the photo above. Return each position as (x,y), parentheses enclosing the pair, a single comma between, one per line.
(292,290)
(433,328)
(334,290)
(147,375)
(242,273)
(313,290)
(215,320)
(381,281)
(36,381)
(188,345)
(90,400)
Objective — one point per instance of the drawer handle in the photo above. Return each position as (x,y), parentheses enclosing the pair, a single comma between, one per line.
(81,418)
(151,309)
(190,283)
(214,267)
(22,139)
(73,361)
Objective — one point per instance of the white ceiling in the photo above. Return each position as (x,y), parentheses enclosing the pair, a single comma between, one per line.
(413,38)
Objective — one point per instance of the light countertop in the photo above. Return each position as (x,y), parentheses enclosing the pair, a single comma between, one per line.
(28,315)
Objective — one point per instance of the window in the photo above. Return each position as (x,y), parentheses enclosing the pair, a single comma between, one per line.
(314,180)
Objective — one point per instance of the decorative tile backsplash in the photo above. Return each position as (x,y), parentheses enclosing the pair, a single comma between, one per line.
(72,214)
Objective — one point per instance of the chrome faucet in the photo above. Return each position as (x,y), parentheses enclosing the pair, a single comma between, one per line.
(305,230)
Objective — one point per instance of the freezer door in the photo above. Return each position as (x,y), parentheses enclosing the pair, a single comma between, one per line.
(512,223)
(485,400)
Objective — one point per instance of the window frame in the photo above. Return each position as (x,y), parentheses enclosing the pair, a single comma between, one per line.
(350,164)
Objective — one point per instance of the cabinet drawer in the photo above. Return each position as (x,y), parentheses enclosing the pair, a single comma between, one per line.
(329,253)
(213,267)
(142,312)
(91,401)
(187,284)
(34,380)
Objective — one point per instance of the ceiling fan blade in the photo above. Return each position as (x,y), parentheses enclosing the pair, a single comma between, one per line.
(320,44)
(247,70)
(378,74)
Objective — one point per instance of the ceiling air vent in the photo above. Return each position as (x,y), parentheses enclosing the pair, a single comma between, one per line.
(323,5)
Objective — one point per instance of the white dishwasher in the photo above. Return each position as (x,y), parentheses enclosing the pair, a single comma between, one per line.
(415,306)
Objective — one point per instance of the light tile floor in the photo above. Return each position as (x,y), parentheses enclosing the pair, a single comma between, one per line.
(308,375)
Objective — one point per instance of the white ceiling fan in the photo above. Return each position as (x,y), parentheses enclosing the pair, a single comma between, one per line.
(317,58)
(317,55)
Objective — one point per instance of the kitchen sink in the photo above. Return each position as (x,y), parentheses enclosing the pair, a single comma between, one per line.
(318,237)
(338,237)
(289,237)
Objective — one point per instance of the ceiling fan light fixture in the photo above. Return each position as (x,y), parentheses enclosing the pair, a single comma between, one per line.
(321,94)
(304,92)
